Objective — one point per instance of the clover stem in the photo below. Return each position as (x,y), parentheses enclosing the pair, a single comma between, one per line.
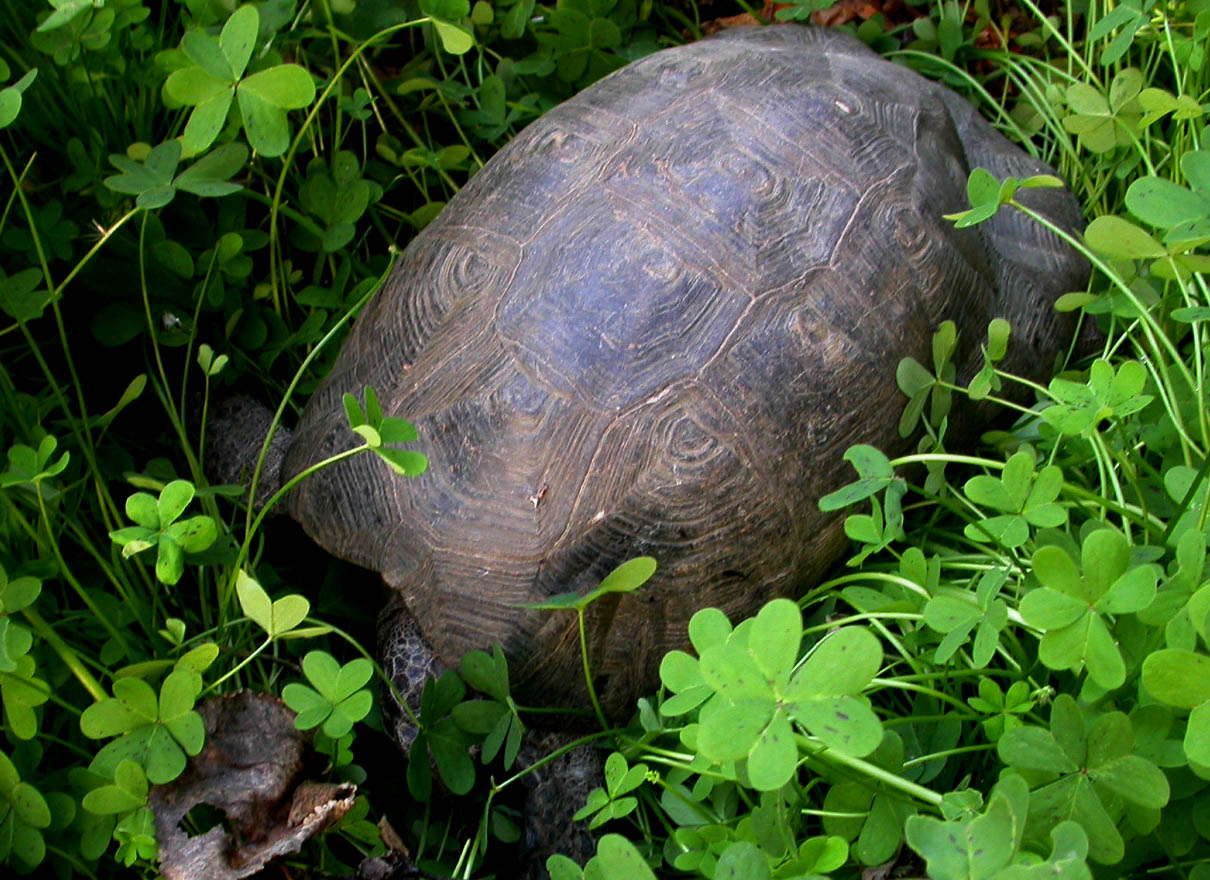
(592,692)
(230,672)
(66,654)
(872,770)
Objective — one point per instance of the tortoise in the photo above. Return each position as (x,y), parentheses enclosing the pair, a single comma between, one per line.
(651,325)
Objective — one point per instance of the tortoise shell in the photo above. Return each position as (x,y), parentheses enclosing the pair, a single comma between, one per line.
(651,325)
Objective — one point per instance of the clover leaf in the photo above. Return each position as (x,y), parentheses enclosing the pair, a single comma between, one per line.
(986,195)
(924,387)
(875,473)
(1108,394)
(127,792)
(1073,603)
(441,737)
(136,838)
(23,814)
(10,98)
(154,180)
(216,79)
(1084,766)
(498,719)
(31,466)
(336,698)
(158,526)
(1182,679)
(957,612)
(378,430)
(613,801)
(1004,708)
(1102,122)
(337,196)
(155,733)
(276,618)
(758,691)
(1023,497)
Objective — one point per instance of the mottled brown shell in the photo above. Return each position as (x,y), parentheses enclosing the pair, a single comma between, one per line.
(652,325)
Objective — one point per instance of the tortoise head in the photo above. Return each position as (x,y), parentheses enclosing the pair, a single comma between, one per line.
(237,431)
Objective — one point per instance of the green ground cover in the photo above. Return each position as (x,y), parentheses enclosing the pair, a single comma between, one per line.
(197,196)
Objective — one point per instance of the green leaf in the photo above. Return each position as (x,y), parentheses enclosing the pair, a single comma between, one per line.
(133,704)
(239,37)
(774,757)
(628,576)
(254,601)
(209,176)
(1164,204)
(969,849)
(264,123)
(731,670)
(193,86)
(774,638)
(207,120)
(874,470)
(454,39)
(1197,735)
(286,86)
(144,510)
(1121,239)
(844,662)
(174,497)
(1178,678)
(1033,748)
(204,51)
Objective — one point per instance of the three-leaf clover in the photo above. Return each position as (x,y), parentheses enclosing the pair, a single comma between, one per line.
(32,466)
(160,526)
(336,698)
(957,612)
(986,194)
(614,800)
(923,387)
(338,196)
(439,734)
(496,719)
(1108,394)
(378,430)
(1004,708)
(136,838)
(759,690)
(1089,764)
(1023,497)
(1103,122)
(155,733)
(986,846)
(216,79)
(1072,604)
(154,180)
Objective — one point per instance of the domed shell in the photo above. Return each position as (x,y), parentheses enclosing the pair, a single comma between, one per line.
(651,325)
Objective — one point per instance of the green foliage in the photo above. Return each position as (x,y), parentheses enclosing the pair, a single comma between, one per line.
(1008,674)
(1072,606)
(336,698)
(160,526)
(1086,770)
(25,814)
(213,79)
(376,430)
(155,734)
